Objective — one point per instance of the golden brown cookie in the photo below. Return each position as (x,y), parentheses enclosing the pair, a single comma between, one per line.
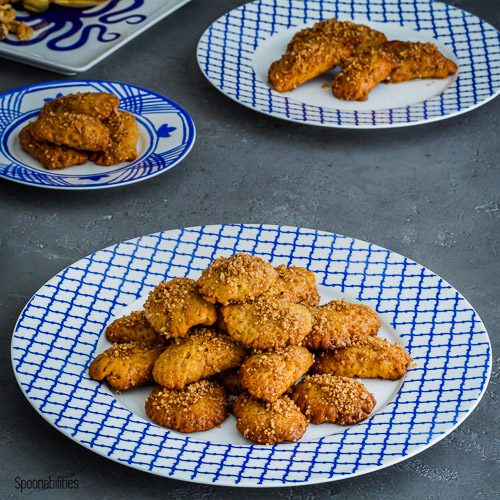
(133,327)
(366,357)
(295,284)
(231,381)
(360,319)
(124,134)
(200,406)
(269,375)
(417,60)
(174,306)
(313,51)
(126,366)
(204,353)
(50,155)
(269,423)
(338,400)
(77,131)
(238,278)
(362,73)
(267,323)
(328,331)
(97,104)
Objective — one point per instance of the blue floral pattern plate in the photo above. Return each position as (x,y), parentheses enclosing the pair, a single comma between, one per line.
(235,53)
(166,135)
(60,331)
(70,40)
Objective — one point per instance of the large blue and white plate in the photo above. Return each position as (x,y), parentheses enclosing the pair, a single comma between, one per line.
(70,40)
(166,135)
(236,51)
(61,329)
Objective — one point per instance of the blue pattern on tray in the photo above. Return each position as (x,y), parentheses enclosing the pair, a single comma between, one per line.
(58,25)
(162,152)
(57,333)
(71,40)
(226,49)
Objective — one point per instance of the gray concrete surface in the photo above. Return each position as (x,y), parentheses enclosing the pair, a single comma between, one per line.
(428,192)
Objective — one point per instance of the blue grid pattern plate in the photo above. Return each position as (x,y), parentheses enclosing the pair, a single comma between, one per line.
(236,51)
(70,40)
(61,329)
(166,135)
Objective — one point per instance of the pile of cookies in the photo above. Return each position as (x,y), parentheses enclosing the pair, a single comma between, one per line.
(257,333)
(76,128)
(364,55)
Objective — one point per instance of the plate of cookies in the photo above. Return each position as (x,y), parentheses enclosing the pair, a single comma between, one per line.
(352,64)
(90,134)
(251,355)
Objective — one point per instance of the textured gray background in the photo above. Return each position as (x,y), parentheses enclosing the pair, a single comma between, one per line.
(429,192)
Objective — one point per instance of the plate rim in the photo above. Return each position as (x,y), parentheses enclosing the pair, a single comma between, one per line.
(180,109)
(348,126)
(246,482)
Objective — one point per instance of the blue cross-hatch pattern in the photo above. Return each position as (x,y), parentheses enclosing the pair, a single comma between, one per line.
(226,49)
(57,333)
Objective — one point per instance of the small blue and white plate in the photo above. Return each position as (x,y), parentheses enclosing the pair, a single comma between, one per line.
(61,329)
(235,53)
(71,40)
(166,135)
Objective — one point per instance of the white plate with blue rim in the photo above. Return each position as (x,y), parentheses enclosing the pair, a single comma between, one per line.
(236,51)
(60,331)
(166,135)
(72,40)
